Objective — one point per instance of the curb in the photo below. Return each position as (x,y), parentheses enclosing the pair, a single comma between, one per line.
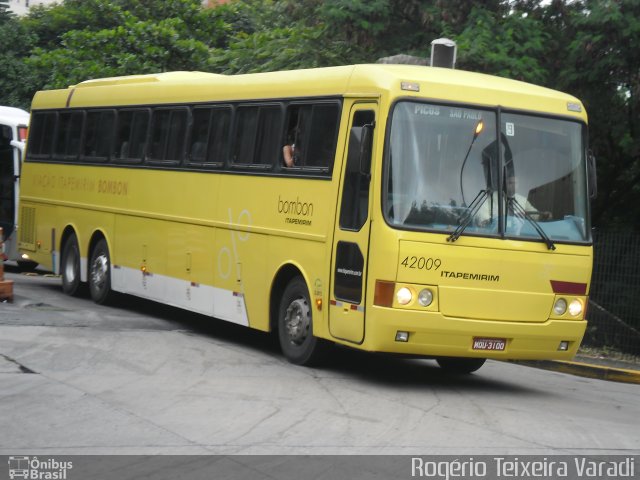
(585,370)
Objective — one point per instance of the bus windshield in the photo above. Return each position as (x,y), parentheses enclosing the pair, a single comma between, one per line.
(449,169)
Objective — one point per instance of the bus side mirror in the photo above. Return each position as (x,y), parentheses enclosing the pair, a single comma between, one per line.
(593,175)
(366,142)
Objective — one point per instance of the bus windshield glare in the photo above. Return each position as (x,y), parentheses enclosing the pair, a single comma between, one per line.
(445,173)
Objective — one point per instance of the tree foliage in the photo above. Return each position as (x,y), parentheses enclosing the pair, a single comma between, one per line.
(590,48)
(603,69)
(15,88)
(84,39)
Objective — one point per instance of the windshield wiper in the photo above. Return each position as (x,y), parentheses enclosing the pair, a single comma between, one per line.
(471,212)
(521,212)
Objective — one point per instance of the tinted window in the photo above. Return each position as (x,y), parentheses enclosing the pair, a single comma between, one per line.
(98,134)
(168,134)
(246,127)
(219,137)
(311,134)
(257,138)
(132,135)
(210,135)
(324,134)
(355,195)
(68,131)
(41,132)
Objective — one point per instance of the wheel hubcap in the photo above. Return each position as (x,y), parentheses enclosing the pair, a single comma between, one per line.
(297,321)
(99,270)
(70,267)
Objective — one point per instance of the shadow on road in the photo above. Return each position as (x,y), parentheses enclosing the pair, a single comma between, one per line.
(381,369)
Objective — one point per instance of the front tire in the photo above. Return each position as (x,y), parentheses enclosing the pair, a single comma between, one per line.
(100,273)
(460,366)
(70,266)
(295,326)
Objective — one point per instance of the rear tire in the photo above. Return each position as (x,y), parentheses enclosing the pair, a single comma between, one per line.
(100,273)
(461,366)
(70,266)
(295,326)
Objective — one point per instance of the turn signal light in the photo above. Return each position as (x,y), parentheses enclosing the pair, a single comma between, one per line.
(383,295)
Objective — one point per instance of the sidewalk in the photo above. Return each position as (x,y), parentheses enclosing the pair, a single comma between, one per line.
(591,367)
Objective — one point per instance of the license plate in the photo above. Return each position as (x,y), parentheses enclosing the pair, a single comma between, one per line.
(493,344)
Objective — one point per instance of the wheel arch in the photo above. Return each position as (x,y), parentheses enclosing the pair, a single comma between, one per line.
(283,276)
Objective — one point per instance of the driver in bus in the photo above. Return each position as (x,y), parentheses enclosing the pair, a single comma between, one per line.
(515,203)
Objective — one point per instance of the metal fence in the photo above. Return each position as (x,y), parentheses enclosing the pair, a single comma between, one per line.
(614,301)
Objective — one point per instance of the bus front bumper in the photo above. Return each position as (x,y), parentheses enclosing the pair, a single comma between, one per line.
(433,335)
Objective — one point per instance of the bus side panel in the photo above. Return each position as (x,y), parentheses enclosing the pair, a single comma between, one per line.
(35,235)
(189,265)
(139,265)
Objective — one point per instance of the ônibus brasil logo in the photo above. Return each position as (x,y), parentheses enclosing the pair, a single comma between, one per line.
(35,469)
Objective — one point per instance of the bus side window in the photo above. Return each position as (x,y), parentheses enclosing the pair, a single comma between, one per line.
(132,135)
(245,134)
(209,145)
(311,136)
(257,135)
(67,137)
(219,137)
(98,135)
(355,194)
(294,148)
(168,131)
(40,143)
(268,135)
(200,135)
(321,147)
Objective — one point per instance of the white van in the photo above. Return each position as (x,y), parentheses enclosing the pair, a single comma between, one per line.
(13,135)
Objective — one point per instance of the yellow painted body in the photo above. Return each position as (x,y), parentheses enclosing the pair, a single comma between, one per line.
(236,232)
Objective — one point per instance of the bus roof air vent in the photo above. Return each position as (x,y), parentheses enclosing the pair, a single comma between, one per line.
(443,53)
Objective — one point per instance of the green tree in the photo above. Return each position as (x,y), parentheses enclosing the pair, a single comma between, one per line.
(602,67)
(17,42)
(273,35)
(509,44)
(84,39)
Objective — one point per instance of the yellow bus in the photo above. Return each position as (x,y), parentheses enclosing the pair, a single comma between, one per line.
(390,208)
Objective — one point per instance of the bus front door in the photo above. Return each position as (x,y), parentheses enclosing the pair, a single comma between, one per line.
(351,236)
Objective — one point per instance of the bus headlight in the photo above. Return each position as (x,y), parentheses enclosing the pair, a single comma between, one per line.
(560,306)
(575,308)
(425,297)
(404,296)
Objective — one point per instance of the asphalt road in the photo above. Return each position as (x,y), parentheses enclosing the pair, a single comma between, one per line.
(140,378)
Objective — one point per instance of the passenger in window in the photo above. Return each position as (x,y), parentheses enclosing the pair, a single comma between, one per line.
(290,152)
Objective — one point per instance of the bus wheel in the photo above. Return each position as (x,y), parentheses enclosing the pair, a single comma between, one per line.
(295,328)
(460,365)
(70,266)
(100,273)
